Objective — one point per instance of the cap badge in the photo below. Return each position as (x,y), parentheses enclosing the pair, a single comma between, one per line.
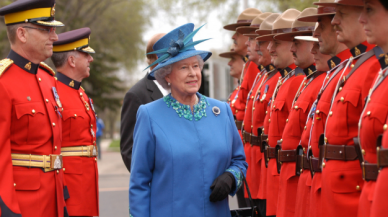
(28,66)
(332,63)
(216,110)
(53,11)
(71,84)
(357,51)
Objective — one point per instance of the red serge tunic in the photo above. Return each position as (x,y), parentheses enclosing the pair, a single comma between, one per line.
(309,193)
(30,124)
(231,98)
(374,194)
(79,128)
(342,180)
(288,181)
(280,109)
(260,111)
(247,127)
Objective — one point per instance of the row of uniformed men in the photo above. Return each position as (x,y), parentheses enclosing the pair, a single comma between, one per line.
(311,108)
(47,138)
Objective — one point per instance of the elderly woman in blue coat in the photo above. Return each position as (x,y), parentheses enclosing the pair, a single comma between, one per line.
(187,153)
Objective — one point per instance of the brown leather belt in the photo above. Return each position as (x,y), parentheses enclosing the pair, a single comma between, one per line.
(369,171)
(271,152)
(264,140)
(246,136)
(287,156)
(255,140)
(238,124)
(382,157)
(306,163)
(315,165)
(340,152)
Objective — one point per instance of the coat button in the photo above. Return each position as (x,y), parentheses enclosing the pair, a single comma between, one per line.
(385,127)
(317,112)
(296,107)
(327,77)
(281,140)
(91,126)
(325,139)
(80,94)
(287,121)
(340,89)
(57,171)
(39,79)
(368,113)
(330,113)
(266,112)
(236,110)
(55,148)
(269,120)
(358,188)
(75,115)
(253,108)
(251,126)
(363,152)
(95,159)
(33,111)
(342,99)
(304,149)
(53,124)
(14,184)
(94,142)
(323,165)
(351,66)
(47,100)
(64,169)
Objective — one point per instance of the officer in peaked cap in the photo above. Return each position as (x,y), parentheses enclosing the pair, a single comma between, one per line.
(31,175)
(72,59)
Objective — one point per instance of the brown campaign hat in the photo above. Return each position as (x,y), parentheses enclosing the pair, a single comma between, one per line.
(229,54)
(299,27)
(75,40)
(323,10)
(308,37)
(283,24)
(359,3)
(244,19)
(266,26)
(250,30)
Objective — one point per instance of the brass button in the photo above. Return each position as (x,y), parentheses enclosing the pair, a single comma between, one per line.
(269,120)
(385,127)
(301,170)
(33,111)
(253,108)
(64,169)
(281,140)
(305,127)
(358,188)
(304,149)
(323,165)
(57,171)
(296,107)
(94,142)
(351,66)
(252,126)
(242,124)
(340,89)
(363,152)
(274,106)
(246,107)
(95,159)
(14,184)
(39,79)
(236,110)
(55,147)
(368,99)
(287,121)
(266,112)
(330,113)
(342,99)
(327,77)
(53,124)
(368,113)
(75,115)
(325,139)
(91,126)
(267,140)
(252,97)
(317,112)
(80,94)
(47,100)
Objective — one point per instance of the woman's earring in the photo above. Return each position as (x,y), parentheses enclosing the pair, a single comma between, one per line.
(168,84)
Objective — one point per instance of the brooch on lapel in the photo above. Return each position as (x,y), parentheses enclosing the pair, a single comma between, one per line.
(216,110)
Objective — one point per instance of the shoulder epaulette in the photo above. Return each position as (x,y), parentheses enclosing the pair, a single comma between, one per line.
(299,71)
(47,68)
(83,89)
(378,52)
(4,65)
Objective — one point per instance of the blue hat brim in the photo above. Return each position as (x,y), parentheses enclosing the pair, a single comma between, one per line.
(181,56)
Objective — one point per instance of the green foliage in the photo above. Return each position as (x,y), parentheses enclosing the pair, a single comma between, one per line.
(282,5)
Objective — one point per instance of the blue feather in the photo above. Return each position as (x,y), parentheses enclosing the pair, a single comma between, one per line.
(160,59)
(192,44)
(191,35)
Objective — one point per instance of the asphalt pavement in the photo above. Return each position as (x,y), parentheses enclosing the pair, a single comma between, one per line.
(114,184)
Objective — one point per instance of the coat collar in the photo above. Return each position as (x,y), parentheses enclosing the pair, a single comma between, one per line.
(361,48)
(23,63)
(284,72)
(68,81)
(339,58)
(151,86)
(309,70)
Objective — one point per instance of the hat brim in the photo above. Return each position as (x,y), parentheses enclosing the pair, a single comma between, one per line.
(290,36)
(181,56)
(228,54)
(53,23)
(268,37)
(263,32)
(307,38)
(246,29)
(314,18)
(332,4)
(233,26)
(251,35)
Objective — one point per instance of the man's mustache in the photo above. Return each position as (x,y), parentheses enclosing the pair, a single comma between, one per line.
(337,28)
(294,54)
(234,42)
(260,53)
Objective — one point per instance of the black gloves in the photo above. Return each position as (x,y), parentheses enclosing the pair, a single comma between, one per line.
(221,187)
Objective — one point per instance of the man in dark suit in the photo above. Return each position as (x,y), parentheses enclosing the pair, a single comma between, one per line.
(143,92)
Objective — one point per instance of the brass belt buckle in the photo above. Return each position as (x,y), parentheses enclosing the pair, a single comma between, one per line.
(363,170)
(56,162)
(92,151)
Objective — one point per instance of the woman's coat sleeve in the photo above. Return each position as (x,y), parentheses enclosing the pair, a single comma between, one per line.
(238,163)
(142,166)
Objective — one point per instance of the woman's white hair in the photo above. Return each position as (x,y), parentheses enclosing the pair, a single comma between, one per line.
(161,73)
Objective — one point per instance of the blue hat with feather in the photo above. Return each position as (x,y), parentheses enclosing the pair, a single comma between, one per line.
(175,46)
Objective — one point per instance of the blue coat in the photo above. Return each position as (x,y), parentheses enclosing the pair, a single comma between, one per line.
(175,159)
